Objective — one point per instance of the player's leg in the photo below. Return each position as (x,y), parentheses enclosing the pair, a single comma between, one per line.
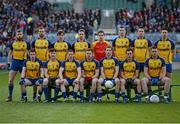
(39,85)
(144,83)
(76,88)
(169,70)
(99,89)
(12,75)
(117,87)
(137,82)
(24,83)
(93,89)
(46,90)
(166,82)
(57,88)
(122,83)
(63,84)
(81,89)
(34,92)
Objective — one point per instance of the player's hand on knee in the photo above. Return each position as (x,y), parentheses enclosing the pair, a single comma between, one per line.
(22,81)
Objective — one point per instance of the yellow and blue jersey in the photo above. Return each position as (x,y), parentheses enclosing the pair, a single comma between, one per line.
(141,49)
(52,68)
(120,46)
(80,50)
(109,66)
(41,47)
(90,67)
(165,49)
(155,66)
(61,50)
(70,69)
(32,68)
(129,68)
(19,50)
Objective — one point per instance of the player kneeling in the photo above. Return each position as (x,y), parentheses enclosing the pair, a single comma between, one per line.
(69,75)
(155,71)
(109,71)
(129,75)
(51,70)
(32,74)
(90,73)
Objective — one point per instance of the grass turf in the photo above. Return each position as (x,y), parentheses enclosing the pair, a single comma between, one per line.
(87,112)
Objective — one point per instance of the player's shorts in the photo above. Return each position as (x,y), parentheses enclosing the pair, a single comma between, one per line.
(169,68)
(70,81)
(154,81)
(141,67)
(104,81)
(33,81)
(17,65)
(51,81)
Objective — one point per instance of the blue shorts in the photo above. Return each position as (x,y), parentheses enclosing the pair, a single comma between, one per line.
(33,81)
(104,81)
(154,81)
(70,81)
(169,68)
(17,65)
(141,67)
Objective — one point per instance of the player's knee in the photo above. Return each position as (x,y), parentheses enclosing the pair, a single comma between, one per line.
(45,82)
(57,82)
(144,80)
(137,82)
(117,81)
(122,81)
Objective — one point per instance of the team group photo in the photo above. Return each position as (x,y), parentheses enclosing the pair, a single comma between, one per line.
(78,59)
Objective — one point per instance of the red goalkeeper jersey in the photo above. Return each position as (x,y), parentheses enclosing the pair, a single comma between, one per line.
(99,49)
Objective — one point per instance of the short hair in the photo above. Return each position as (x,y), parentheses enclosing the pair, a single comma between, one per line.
(153,47)
(41,27)
(109,46)
(101,31)
(129,49)
(18,31)
(122,27)
(140,27)
(61,31)
(70,50)
(52,50)
(32,50)
(89,49)
(164,29)
(81,30)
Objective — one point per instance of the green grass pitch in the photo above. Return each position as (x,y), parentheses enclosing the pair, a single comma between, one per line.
(87,112)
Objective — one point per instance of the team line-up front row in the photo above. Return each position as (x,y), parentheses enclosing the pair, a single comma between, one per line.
(98,66)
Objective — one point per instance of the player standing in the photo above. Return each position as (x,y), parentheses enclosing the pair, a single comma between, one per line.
(18,53)
(166,50)
(121,44)
(100,46)
(80,46)
(141,48)
(61,46)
